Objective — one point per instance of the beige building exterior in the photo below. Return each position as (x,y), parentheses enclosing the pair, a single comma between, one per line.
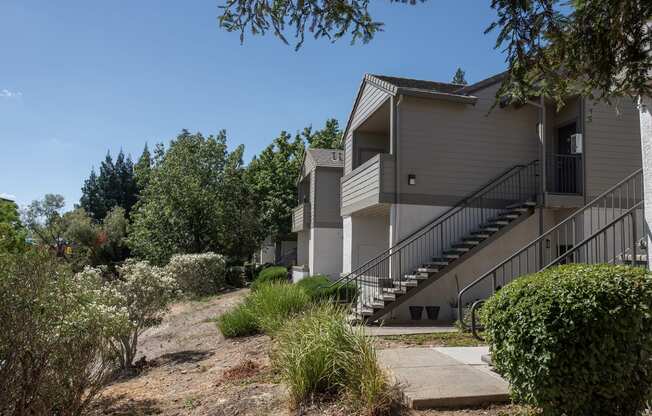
(317,220)
(415,150)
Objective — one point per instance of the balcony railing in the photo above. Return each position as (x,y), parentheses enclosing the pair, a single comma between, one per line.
(564,174)
(301,217)
(369,184)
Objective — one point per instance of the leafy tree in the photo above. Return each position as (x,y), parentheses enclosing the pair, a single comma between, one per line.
(330,137)
(12,231)
(96,244)
(44,221)
(196,201)
(325,19)
(272,176)
(459,77)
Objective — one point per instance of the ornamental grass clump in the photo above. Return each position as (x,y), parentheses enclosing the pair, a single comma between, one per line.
(274,274)
(264,310)
(321,288)
(576,339)
(320,354)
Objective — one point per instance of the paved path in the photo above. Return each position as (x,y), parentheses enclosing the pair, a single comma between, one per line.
(378,331)
(444,377)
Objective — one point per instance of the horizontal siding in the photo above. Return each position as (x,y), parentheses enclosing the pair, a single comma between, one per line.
(300,217)
(348,153)
(367,184)
(327,197)
(454,148)
(613,144)
(370,99)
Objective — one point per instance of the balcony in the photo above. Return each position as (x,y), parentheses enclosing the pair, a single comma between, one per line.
(301,217)
(564,181)
(370,184)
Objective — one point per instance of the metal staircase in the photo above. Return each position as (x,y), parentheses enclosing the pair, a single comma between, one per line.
(397,274)
(609,229)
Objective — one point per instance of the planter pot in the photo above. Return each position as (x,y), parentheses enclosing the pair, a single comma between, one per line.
(432,312)
(416,312)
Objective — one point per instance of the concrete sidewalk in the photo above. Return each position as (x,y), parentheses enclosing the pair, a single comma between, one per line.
(444,377)
(379,331)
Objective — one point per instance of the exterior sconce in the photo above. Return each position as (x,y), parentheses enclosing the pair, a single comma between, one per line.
(547,243)
(412,179)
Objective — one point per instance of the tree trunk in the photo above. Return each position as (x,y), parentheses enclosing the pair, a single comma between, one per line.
(645,108)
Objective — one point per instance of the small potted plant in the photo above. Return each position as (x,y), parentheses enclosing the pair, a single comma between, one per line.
(432,312)
(416,312)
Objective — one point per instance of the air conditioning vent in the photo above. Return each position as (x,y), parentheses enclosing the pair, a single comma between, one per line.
(576,145)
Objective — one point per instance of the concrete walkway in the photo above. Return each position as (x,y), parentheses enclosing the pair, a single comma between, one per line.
(444,377)
(379,331)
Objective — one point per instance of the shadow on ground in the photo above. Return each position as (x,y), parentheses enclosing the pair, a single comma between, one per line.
(122,406)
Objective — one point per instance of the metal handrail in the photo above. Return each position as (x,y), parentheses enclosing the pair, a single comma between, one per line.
(475,201)
(631,213)
(565,232)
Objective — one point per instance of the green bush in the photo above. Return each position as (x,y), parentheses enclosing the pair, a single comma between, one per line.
(575,340)
(320,287)
(274,303)
(54,326)
(264,310)
(320,353)
(198,274)
(238,322)
(269,275)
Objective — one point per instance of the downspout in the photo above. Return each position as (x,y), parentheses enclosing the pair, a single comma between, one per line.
(397,164)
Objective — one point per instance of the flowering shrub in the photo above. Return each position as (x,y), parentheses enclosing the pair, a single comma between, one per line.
(198,274)
(144,292)
(54,331)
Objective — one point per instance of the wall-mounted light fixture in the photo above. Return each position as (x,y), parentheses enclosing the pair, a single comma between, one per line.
(412,179)
(547,243)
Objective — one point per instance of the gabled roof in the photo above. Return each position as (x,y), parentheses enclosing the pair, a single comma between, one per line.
(420,85)
(322,158)
(445,91)
(330,158)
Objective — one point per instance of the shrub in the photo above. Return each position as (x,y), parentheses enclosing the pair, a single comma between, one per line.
(273,303)
(320,353)
(198,274)
(144,291)
(238,322)
(269,275)
(54,357)
(576,339)
(320,287)
(264,310)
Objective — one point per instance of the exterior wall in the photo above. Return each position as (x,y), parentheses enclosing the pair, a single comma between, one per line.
(267,252)
(325,248)
(454,149)
(370,184)
(327,198)
(613,144)
(369,99)
(365,236)
(303,238)
(406,219)
(368,141)
(443,292)
(646,144)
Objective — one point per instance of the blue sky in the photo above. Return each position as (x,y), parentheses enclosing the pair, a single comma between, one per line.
(79,77)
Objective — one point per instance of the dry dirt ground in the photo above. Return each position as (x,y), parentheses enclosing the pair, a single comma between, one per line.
(191,369)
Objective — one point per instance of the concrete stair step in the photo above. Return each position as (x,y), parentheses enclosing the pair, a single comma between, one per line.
(418,276)
(428,270)
(438,261)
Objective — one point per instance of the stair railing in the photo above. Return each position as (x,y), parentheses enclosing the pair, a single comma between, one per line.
(611,243)
(387,270)
(557,241)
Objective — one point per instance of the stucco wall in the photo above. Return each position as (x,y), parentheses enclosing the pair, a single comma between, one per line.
(325,248)
(365,236)
(646,144)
